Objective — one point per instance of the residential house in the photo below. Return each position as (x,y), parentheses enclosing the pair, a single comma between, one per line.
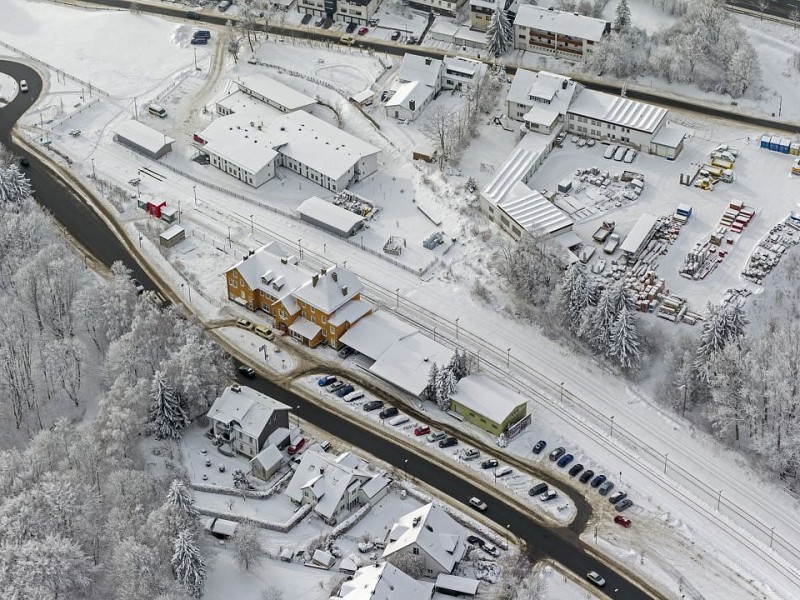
(245,419)
(420,82)
(429,533)
(487,404)
(555,33)
(335,486)
(267,462)
(383,581)
(345,11)
(481,12)
(541,100)
(438,7)
(459,72)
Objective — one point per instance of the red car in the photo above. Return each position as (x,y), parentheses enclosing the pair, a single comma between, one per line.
(297,446)
(624,521)
(363,31)
(421,430)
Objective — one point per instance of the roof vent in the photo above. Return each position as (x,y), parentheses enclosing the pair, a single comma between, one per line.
(428,527)
(323,271)
(344,290)
(236,388)
(314,280)
(415,522)
(284,260)
(334,276)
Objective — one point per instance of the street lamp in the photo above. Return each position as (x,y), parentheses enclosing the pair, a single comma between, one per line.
(189,288)
(194,189)
(508,359)
(300,247)
(405,468)
(615,592)
(612,425)
(397,295)
(251,224)
(434,333)
(456,328)
(771,536)
(685,389)
(719,499)
(561,393)
(94,175)
(665,461)
(298,416)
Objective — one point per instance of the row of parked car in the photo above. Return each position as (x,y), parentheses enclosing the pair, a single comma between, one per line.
(619,153)
(599,481)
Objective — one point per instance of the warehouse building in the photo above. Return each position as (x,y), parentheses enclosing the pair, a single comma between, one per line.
(488,404)
(274,93)
(639,237)
(143,139)
(328,216)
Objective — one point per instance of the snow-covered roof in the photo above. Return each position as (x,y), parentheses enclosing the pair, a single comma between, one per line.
(534,213)
(351,312)
(375,333)
(619,111)
(328,477)
(408,91)
(375,485)
(232,137)
(274,91)
(305,328)
(221,526)
(272,270)
(250,409)
(670,135)
(239,102)
(487,397)
(483,3)
(420,68)
(337,217)
(407,363)
(639,233)
(384,582)
(434,531)
(458,65)
(459,585)
(172,232)
(562,23)
(323,559)
(541,115)
(143,136)
(362,96)
(519,166)
(464,33)
(543,89)
(268,458)
(331,289)
(444,26)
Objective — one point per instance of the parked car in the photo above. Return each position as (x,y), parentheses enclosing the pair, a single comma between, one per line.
(624,505)
(502,471)
(137,286)
(320,22)
(372,405)
(244,324)
(345,352)
(351,27)
(596,578)
(489,463)
(548,495)
(620,153)
(199,41)
(421,430)
(617,496)
(586,476)
(363,31)
(265,332)
(398,420)
(224,5)
(353,396)
(326,380)
(629,155)
(23,86)
(565,460)
(477,504)
(609,153)
(24,162)
(396,36)
(436,436)
(448,442)
(605,487)
(575,469)
(347,40)
(539,446)
(539,488)
(598,480)
(336,386)
(296,446)
(248,372)
(343,391)
(470,453)
(306,18)
(475,541)
(624,521)
(388,412)
(558,453)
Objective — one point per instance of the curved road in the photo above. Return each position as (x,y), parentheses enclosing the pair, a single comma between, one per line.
(88,230)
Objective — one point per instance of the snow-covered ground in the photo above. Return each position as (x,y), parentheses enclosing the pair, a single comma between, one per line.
(8,88)
(646,440)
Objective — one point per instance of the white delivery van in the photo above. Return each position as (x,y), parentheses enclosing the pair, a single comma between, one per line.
(157,110)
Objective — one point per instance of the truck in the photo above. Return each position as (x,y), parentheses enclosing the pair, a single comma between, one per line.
(611,244)
(603,231)
(721,163)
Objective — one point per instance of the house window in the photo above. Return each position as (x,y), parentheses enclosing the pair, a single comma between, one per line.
(333,329)
(415,550)
(233,282)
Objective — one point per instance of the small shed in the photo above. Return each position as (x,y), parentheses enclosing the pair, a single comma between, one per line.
(221,528)
(153,207)
(321,560)
(172,236)
(452,585)
(143,139)
(363,98)
(330,217)
(424,152)
(169,214)
(266,463)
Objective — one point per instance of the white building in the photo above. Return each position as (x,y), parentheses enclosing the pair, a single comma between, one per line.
(328,216)
(335,485)
(424,69)
(459,72)
(274,93)
(245,418)
(143,139)
(441,7)
(420,82)
(384,582)
(540,100)
(346,11)
(429,533)
(250,150)
(556,33)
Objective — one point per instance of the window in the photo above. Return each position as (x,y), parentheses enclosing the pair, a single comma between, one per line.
(504,221)
(233,282)
(322,319)
(415,550)
(333,329)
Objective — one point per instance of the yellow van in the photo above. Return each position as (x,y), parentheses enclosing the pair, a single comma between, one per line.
(264,332)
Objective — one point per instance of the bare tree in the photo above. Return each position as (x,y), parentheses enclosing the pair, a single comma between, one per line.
(247,548)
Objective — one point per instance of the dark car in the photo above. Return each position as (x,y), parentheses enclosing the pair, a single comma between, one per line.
(489,464)
(388,412)
(343,391)
(248,372)
(623,505)
(605,487)
(448,442)
(326,380)
(586,476)
(475,541)
(565,460)
(396,36)
(617,496)
(558,453)
(373,405)
(24,162)
(199,41)
(575,469)
(306,18)
(539,446)
(202,33)
(598,480)
(336,386)
(351,27)
(539,488)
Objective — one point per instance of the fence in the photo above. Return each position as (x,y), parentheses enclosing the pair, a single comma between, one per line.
(75,113)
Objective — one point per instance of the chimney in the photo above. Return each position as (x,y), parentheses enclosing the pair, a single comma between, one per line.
(344,290)
(412,105)
(235,388)
(251,253)
(334,276)
(564,84)
(428,61)
(323,270)
(314,280)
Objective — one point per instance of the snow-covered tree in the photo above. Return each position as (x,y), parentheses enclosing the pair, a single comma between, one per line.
(166,414)
(14,185)
(623,20)
(460,364)
(122,417)
(623,55)
(743,70)
(433,377)
(181,503)
(723,325)
(604,316)
(188,564)
(624,340)
(446,384)
(62,361)
(134,571)
(247,548)
(240,481)
(729,390)
(574,295)
(500,33)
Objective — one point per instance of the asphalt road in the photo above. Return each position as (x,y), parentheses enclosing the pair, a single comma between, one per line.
(558,543)
(777,8)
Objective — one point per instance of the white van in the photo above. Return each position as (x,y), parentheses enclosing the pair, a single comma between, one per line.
(157,110)
(398,420)
(354,395)
(610,151)
(502,471)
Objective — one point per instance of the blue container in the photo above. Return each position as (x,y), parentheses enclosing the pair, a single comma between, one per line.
(784,145)
(774,143)
(765,141)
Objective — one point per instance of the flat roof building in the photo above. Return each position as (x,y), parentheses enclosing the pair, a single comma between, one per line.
(488,404)
(330,217)
(639,237)
(143,139)
(556,33)
(276,94)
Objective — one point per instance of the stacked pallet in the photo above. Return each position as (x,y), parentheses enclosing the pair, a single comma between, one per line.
(767,254)
(737,216)
(673,308)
